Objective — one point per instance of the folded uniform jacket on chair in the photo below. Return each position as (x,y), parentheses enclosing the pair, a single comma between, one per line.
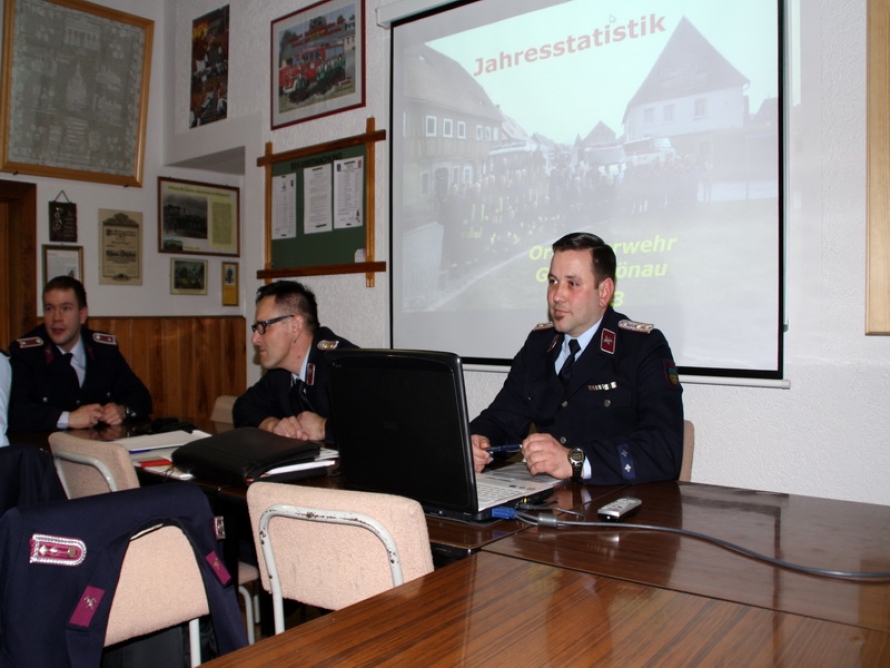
(60,563)
(240,456)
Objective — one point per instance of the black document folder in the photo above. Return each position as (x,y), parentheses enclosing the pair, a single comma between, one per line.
(240,456)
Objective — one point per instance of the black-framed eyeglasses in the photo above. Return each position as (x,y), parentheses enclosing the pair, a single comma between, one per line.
(260,326)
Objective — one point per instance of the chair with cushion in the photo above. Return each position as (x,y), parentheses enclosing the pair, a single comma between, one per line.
(688,448)
(174,584)
(331,548)
(222,411)
(88,467)
(83,574)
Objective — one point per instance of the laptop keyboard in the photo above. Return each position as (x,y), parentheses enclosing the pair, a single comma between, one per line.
(487,493)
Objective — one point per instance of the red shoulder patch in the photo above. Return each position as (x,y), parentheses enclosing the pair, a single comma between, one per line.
(30,342)
(108,339)
(607,341)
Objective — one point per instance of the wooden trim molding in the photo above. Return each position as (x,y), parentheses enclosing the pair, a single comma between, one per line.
(877,295)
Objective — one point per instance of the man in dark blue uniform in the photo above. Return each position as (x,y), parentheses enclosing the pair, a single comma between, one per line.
(291,398)
(65,376)
(600,392)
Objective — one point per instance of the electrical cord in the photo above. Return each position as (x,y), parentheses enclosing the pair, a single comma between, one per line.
(549,519)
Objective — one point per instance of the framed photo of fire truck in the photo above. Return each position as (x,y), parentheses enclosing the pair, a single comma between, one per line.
(318,61)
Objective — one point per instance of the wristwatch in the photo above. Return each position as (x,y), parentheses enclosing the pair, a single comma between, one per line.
(576,459)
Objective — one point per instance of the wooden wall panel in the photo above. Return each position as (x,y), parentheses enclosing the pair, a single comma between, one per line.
(185,362)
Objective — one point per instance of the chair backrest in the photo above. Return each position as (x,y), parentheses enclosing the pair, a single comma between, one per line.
(688,451)
(165,559)
(222,409)
(88,467)
(155,547)
(329,547)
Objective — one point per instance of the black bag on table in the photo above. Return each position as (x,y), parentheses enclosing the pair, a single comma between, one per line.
(244,455)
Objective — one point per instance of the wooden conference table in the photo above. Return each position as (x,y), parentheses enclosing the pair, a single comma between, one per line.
(594,596)
(819,533)
(588,596)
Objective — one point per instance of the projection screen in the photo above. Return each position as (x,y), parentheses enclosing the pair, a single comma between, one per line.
(656,125)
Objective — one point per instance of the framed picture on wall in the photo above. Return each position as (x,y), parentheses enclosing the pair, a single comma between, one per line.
(188,277)
(120,247)
(197,218)
(74,93)
(318,61)
(230,284)
(63,222)
(209,99)
(62,261)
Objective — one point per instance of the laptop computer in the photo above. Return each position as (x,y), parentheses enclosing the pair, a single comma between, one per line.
(400,420)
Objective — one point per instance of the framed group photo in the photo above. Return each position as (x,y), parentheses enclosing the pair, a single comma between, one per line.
(318,61)
(91,128)
(197,218)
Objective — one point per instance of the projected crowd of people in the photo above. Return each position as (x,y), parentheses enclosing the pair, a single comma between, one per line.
(519,201)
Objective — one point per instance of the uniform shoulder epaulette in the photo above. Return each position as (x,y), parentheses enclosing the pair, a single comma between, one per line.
(30,342)
(632,326)
(107,339)
(543,326)
(326,345)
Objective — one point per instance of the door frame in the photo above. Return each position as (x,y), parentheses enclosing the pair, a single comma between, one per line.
(18,239)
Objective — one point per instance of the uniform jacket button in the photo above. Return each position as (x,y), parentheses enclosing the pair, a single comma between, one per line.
(607,403)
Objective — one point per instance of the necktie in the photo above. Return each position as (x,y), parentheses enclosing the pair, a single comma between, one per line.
(70,371)
(566,371)
(296,396)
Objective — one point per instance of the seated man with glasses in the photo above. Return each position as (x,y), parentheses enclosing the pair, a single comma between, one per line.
(291,398)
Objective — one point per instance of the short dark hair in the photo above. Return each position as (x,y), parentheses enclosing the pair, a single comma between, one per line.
(293,297)
(67,283)
(604,263)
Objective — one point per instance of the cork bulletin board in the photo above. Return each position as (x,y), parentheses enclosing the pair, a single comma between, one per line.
(320,209)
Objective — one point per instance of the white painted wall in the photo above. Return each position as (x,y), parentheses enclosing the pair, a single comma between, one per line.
(153,296)
(828,435)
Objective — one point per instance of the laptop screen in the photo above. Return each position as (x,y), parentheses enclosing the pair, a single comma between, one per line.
(400,421)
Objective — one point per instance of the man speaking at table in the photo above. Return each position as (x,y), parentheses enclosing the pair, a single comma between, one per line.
(600,392)
(65,376)
(291,399)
